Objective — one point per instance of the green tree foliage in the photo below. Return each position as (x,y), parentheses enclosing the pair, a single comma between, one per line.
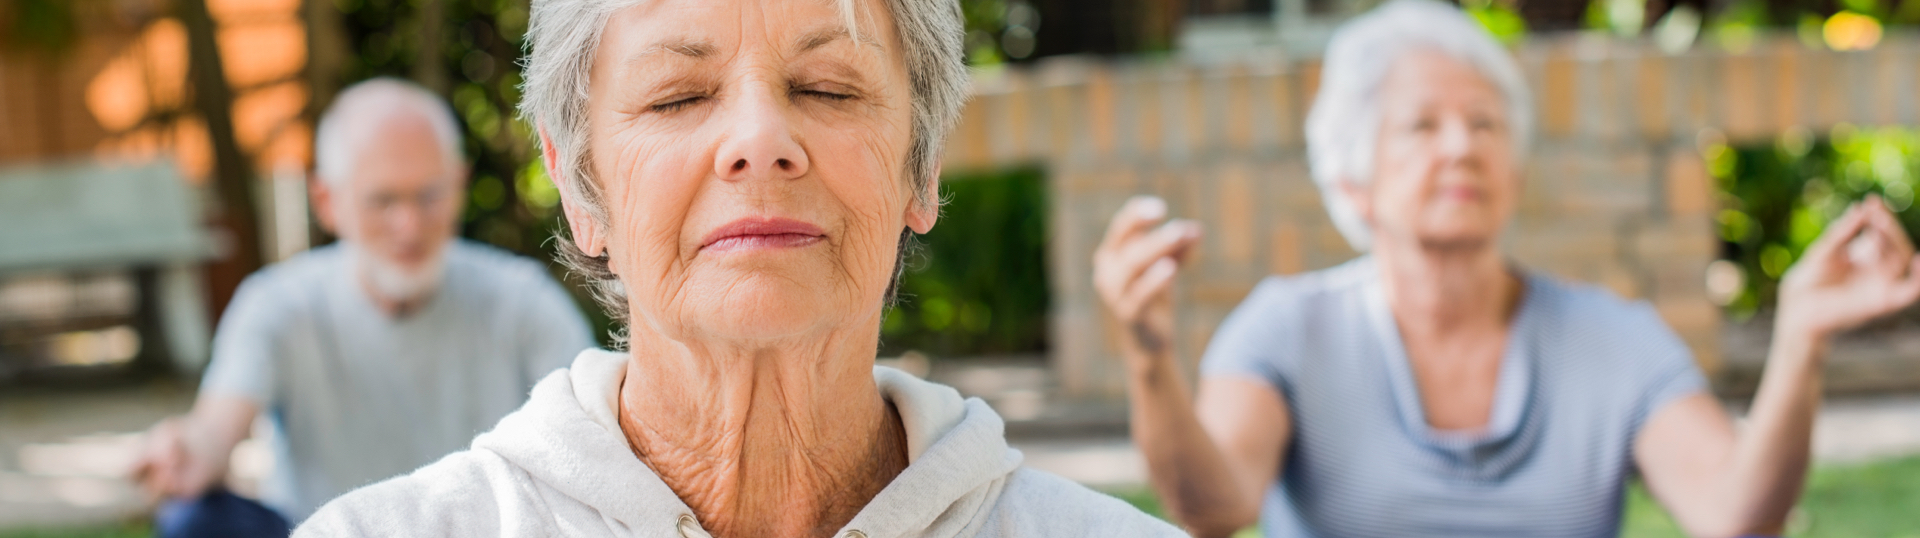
(47,27)
(1499,19)
(979,283)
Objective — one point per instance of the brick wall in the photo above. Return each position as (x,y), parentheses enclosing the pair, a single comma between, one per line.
(1616,193)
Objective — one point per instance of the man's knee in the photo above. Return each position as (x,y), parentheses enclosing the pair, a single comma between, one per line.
(219,513)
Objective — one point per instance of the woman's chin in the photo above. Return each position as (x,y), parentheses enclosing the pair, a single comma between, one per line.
(764,313)
(1472,229)
(758,303)
(766,326)
(1454,240)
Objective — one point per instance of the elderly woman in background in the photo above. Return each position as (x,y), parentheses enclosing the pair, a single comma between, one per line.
(1433,388)
(739,178)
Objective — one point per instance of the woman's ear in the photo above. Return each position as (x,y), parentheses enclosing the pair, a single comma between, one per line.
(921,215)
(586,232)
(1359,197)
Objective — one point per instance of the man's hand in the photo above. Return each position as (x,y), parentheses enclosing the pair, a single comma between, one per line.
(1861,268)
(167,466)
(1134,269)
(184,457)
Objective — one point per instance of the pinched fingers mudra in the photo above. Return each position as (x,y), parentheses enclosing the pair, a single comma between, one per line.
(1134,270)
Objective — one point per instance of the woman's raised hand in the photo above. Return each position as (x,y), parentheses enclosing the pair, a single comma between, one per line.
(1861,268)
(1134,268)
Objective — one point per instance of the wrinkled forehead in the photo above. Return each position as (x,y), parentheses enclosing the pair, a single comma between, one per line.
(714,30)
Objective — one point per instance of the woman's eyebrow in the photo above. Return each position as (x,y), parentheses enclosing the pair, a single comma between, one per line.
(822,37)
(692,48)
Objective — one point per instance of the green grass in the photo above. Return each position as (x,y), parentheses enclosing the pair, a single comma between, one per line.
(1873,500)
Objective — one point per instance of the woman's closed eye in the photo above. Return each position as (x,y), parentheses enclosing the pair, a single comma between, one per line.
(1484,123)
(829,95)
(676,103)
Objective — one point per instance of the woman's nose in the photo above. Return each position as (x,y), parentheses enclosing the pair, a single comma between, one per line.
(1456,139)
(758,142)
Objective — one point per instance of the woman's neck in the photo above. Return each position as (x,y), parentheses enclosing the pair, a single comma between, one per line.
(1449,290)
(787,440)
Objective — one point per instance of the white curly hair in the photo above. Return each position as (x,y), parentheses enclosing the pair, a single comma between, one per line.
(1345,120)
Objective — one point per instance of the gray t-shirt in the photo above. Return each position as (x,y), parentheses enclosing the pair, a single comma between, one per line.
(1581,373)
(356,396)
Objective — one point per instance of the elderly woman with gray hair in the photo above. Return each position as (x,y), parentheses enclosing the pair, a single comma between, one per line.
(1431,387)
(739,177)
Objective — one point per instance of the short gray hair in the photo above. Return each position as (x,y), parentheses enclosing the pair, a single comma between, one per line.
(563,34)
(1345,120)
(348,124)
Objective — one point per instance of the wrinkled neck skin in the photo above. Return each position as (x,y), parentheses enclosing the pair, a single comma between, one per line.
(1440,291)
(777,439)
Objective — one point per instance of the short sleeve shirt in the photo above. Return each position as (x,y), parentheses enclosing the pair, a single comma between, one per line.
(355,395)
(1581,372)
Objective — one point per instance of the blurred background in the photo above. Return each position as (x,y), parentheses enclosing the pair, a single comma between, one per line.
(154,152)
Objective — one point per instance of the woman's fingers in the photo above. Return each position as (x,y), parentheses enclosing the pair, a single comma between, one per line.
(1896,249)
(1157,279)
(1133,218)
(1136,265)
(1170,240)
(1110,276)
(1865,249)
(1906,289)
(1839,233)
(1118,266)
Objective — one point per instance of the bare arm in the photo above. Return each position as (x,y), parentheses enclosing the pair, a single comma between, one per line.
(1211,460)
(185,456)
(1718,482)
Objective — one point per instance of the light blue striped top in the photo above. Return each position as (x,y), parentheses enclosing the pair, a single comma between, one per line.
(1582,371)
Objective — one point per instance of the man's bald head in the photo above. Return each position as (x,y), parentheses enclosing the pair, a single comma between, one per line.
(368,113)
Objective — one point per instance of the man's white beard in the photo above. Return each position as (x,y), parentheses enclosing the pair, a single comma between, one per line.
(395,283)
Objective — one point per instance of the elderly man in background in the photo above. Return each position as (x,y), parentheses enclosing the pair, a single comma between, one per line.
(373,356)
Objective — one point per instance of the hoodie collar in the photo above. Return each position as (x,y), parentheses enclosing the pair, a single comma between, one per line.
(567,437)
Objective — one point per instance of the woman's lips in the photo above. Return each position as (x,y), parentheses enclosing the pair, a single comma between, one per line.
(1463,194)
(754,233)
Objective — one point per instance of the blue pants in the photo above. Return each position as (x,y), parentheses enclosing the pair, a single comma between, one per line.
(219,513)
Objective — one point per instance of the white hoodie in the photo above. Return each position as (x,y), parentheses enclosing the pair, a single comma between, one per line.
(560,466)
